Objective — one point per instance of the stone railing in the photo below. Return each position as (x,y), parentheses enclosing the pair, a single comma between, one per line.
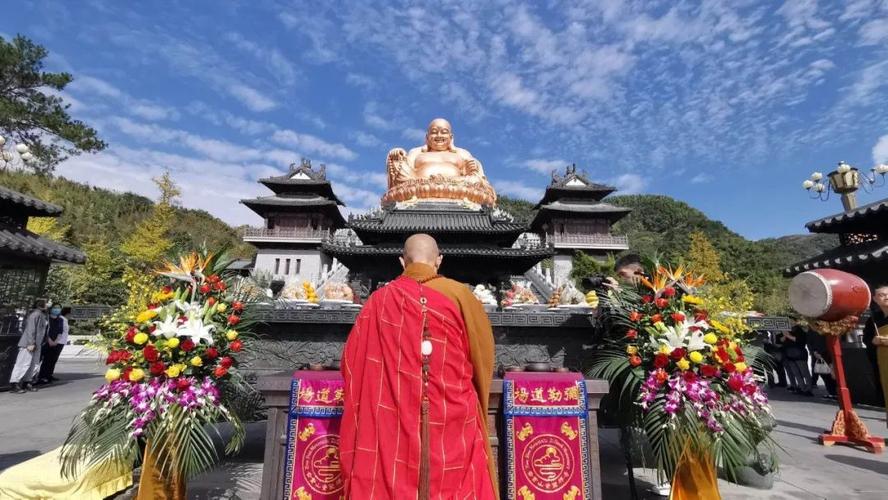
(597,240)
(296,234)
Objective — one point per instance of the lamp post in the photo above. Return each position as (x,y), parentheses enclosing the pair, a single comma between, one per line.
(845,181)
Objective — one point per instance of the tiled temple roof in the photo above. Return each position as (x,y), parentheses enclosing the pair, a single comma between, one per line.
(27,205)
(843,257)
(865,219)
(24,242)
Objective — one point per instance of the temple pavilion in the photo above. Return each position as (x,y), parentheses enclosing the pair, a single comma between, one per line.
(302,212)
(572,217)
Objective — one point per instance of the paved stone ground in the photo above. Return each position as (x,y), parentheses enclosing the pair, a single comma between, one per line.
(35,423)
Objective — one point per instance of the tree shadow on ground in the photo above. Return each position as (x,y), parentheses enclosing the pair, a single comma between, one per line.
(7,460)
(815,429)
(878,466)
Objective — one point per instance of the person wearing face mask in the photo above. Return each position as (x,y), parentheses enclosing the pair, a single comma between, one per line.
(56,338)
(27,362)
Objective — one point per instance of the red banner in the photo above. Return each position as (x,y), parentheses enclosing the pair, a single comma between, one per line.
(313,469)
(547,442)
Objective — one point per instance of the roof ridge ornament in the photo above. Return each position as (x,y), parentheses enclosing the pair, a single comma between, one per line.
(307,170)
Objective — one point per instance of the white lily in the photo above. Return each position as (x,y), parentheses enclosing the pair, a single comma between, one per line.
(168,327)
(197,330)
(188,308)
(687,334)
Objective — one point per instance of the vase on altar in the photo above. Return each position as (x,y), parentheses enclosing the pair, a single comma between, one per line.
(158,482)
(695,475)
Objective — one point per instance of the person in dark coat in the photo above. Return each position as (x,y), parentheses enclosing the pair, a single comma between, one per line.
(56,338)
(795,355)
(820,354)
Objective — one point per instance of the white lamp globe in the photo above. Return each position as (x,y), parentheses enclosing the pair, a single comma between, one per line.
(881,168)
(2,140)
(819,188)
(27,156)
(808,184)
(843,168)
(816,176)
(22,148)
(7,156)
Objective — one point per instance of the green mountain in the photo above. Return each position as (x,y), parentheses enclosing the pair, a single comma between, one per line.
(660,225)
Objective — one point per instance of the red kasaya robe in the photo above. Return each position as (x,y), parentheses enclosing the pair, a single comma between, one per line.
(381,445)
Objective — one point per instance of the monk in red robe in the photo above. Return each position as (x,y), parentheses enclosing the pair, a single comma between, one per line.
(417,367)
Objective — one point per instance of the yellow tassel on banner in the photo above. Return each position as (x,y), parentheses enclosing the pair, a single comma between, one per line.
(155,486)
(694,477)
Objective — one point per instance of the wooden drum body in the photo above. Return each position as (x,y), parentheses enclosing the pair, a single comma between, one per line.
(828,294)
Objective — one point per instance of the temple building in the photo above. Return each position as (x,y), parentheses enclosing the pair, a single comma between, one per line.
(572,217)
(863,234)
(302,212)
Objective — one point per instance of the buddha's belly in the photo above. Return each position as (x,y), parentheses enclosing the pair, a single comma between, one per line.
(428,165)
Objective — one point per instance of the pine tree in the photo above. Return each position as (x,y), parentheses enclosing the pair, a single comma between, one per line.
(704,259)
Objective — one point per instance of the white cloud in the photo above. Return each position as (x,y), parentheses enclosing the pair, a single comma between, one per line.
(874,32)
(313,144)
(701,178)
(414,134)
(518,190)
(373,118)
(252,98)
(359,177)
(277,63)
(544,166)
(629,183)
(880,150)
(366,140)
(360,80)
(99,91)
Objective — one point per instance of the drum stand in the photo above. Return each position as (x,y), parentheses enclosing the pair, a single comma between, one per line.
(847,426)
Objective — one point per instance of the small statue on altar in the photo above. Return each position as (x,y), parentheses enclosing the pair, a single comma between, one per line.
(437,170)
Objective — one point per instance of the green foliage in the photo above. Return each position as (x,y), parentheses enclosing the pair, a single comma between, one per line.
(584,265)
(99,222)
(31,111)
(662,225)
(522,210)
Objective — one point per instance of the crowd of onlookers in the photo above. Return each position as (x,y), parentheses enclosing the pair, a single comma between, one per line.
(799,358)
(44,335)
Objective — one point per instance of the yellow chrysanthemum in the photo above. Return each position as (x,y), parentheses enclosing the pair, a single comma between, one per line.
(174,370)
(231,334)
(741,366)
(146,316)
(136,375)
(720,326)
(196,361)
(631,349)
(696,357)
(172,343)
(683,364)
(140,338)
(710,338)
(112,374)
(664,349)
(692,299)
(221,307)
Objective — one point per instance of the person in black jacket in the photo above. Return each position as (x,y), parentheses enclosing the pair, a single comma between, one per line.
(820,355)
(56,337)
(795,357)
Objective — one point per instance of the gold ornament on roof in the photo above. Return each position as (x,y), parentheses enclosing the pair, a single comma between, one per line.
(437,170)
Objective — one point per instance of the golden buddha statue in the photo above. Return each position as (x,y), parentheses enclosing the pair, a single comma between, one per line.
(437,170)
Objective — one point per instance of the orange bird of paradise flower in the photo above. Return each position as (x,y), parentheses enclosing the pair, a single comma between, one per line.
(188,267)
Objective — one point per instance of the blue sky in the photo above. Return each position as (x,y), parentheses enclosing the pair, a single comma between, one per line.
(725,105)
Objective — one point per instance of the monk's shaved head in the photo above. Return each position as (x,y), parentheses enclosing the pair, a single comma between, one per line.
(423,249)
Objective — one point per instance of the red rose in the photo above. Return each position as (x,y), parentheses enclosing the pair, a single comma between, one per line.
(233,320)
(131,333)
(701,316)
(204,289)
(187,345)
(632,334)
(647,299)
(709,371)
(212,353)
(661,360)
(150,353)
(183,384)
(157,368)
(678,353)
(167,289)
(661,375)
(656,318)
(634,360)
(124,375)
(678,317)
(211,301)
(661,303)
(213,278)
(236,345)
(669,292)
(220,371)
(226,362)
(735,382)
(729,367)
(237,306)
(722,355)
(689,377)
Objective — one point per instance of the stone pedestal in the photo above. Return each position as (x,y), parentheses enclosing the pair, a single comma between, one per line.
(276,389)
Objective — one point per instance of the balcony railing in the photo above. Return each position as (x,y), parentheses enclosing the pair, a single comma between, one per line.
(302,234)
(588,240)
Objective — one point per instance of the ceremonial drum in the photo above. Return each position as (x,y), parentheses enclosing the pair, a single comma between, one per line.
(828,294)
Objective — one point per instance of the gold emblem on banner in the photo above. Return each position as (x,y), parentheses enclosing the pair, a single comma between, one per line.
(526,494)
(320,464)
(307,432)
(568,431)
(548,462)
(572,493)
(525,432)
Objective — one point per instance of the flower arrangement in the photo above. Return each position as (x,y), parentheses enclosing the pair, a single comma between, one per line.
(686,378)
(166,372)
